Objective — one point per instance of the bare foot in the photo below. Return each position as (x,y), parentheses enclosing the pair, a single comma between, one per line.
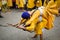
(34,36)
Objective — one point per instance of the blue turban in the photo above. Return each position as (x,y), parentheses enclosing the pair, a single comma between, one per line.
(25,15)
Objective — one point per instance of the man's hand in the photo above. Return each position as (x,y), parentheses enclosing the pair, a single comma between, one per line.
(24,28)
(20,27)
(14,25)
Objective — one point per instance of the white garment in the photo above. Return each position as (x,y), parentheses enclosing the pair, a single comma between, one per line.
(41,12)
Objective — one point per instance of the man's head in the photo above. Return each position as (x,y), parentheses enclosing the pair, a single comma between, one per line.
(25,15)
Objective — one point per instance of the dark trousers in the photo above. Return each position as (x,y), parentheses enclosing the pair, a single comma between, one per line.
(0,11)
(14,5)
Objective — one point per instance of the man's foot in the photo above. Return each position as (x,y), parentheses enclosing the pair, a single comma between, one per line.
(1,16)
(58,15)
(34,36)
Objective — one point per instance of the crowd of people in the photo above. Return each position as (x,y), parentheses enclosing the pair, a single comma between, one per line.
(22,4)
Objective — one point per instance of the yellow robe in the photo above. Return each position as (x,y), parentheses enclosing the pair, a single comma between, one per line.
(9,3)
(47,20)
(30,4)
(45,4)
(17,2)
(40,26)
(50,21)
(21,4)
(58,3)
(38,3)
(52,7)
(34,26)
(51,10)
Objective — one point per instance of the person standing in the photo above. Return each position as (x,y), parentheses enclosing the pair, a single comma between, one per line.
(30,4)
(1,8)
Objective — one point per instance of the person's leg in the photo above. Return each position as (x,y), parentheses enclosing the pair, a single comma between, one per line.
(9,10)
(41,36)
(14,5)
(0,13)
(25,7)
(35,36)
(0,10)
(59,12)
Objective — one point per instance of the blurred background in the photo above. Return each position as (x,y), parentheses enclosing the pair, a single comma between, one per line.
(10,12)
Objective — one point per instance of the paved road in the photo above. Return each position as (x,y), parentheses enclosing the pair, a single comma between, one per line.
(11,33)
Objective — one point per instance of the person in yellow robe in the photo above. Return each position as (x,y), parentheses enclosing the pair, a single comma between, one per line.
(21,4)
(17,2)
(30,4)
(58,5)
(36,25)
(47,19)
(50,14)
(9,3)
(38,3)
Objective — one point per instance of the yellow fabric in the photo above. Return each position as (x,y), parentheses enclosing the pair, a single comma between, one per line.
(45,4)
(58,3)
(17,2)
(51,9)
(21,4)
(40,26)
(9,3)
(50,4)
(30,4)
(36,14)
(39,3)
(23,20)
(33,20)
(37,27)
(0,4)
(33,25)
(50,21)
(53,6)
